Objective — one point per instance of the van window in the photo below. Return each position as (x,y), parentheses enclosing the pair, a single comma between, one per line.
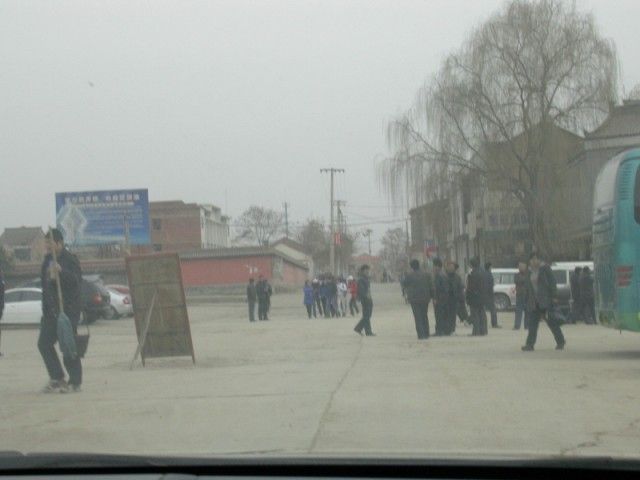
(507,278)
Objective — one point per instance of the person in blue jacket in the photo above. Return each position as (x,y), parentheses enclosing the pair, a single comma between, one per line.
(309,300)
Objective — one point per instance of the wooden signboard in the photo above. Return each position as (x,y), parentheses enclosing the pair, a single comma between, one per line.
(159,306)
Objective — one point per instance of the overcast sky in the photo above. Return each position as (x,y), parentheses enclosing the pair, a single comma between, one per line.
(231,103)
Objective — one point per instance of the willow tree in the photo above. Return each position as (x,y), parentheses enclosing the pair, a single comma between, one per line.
(492,107)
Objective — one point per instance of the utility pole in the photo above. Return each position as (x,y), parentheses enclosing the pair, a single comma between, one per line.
(332,246)
(286,219)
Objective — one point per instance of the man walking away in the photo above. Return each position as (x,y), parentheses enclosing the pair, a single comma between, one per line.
(308,299)
(490,302)
(364,295)
(587,297)
(455,291)
(576,303)
(418,289)
(261,292)
(315,284)
(475,298)
(541,296)
(353,292)
(441,289)
(252,296)
(520,279)
(70,278)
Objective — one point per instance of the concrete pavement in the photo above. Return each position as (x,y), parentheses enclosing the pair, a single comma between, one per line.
(299,386)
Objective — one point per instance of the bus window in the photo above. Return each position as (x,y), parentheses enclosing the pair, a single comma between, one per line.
(636,197)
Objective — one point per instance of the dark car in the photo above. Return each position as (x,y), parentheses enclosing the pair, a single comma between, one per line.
(96,299)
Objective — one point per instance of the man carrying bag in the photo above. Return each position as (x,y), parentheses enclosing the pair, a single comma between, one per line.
(61,306)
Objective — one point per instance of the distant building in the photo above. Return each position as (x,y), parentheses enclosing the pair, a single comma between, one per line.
(178,227)
(24,244)
(295,250)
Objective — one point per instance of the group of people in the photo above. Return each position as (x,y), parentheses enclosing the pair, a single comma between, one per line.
(536,298)
(329,296)
(259,292)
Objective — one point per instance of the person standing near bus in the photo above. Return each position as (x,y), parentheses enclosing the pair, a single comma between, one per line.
(541,300)
(587,297)
(520,279)
(576,304)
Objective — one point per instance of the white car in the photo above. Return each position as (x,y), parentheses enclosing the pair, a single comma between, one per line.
(121,305)
(22,306)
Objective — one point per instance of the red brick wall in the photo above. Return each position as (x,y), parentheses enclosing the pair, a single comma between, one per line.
(224,271)
(293,275)
(177,233)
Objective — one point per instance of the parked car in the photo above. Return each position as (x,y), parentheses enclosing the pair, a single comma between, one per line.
(504,290)
(123,289)
(22,306)
(120,304)
(96,299)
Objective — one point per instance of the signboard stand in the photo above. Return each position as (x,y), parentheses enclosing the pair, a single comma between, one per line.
(147,322)
(159,306)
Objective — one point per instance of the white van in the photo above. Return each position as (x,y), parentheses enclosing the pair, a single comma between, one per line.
(504,290)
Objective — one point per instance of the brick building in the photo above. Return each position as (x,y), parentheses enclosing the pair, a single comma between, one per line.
(179,227)
(24,244)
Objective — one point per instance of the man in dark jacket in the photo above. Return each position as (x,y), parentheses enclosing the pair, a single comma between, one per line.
(455,292)
(70,275)
(364,295)
(489,298)
(262,294)
(520,279)
(587,297)
(541,299)
(252,296)
(462,306)
(441,296)
(418,289)
(316,296)
(475,298)
(576,304)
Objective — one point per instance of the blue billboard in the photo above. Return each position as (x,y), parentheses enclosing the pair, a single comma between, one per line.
(104,217)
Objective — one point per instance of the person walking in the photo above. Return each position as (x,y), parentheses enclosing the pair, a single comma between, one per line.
(455,291)
(520,279)
(441,296)
(490,303)
(315,285)
(541,297)
(364,295)
(462,312)
(475,298)
(576,303)
(252,296)
(261,292)
(587,297)
(352,285)
(308,299)
(342,297)
(324,296)
(418,289)
(65,270)
(333,296)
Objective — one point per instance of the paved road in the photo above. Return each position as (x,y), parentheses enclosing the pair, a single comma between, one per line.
(297,386)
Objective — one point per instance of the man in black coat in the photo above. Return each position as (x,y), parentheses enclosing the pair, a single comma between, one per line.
(587,297)
(441,297)
(252,297)
(70,275)
(475,298)
(262,294)
(489,298)
(364,295)
(455,292)
(576,303)
(418,290)
(541,299)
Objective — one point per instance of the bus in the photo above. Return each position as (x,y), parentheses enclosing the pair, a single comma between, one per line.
(616,242)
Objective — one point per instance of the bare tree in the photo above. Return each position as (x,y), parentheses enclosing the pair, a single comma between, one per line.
(315,237)
(393,253)
(259,224)
(493,106)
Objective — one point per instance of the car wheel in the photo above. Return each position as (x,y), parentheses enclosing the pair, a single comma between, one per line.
(501,301)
